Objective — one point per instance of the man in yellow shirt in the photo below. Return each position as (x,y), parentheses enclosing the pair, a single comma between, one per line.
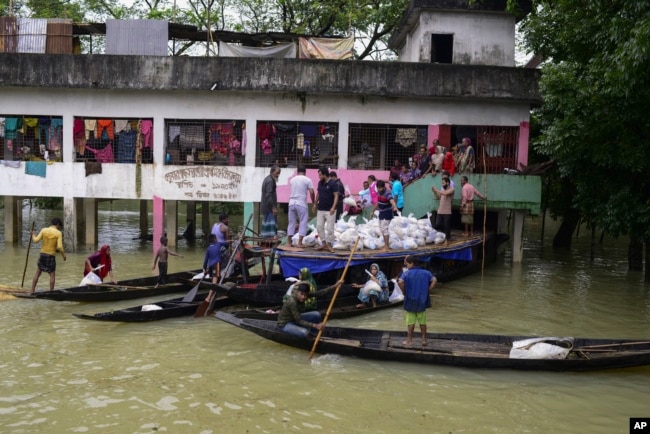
(52,241)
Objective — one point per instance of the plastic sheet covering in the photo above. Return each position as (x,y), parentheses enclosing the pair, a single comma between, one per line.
(288,51)
(326,48)
(542,348)
(292,266)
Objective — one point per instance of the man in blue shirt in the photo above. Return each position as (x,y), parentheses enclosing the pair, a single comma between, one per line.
(416,283)
(397,190)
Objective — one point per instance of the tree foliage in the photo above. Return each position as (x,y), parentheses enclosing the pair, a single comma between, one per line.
(594,120)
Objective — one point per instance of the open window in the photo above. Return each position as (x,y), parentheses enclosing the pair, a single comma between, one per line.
(442,47)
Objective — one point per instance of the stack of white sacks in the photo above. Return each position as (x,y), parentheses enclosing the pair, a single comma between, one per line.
(404,233)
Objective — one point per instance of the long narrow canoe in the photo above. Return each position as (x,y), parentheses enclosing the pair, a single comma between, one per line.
(458,349)
(123,290)
(344,307)
(166,309)
(269,294)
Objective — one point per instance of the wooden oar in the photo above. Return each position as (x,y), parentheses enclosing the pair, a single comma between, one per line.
(190,295)
(336,292)
(207,304)
(29,245)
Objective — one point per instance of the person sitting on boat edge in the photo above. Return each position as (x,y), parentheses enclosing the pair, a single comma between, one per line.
(375,290)
(416,283)
(306,277)
(100,263)
(294,318)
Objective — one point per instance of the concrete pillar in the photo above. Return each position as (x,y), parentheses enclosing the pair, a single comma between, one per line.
(90,215)
(344,145)
(206,223)
(144,219)
(11,211)
(518,236)
(254,209)
(190,211)
(171,222)
(251,148)
(502,221)
(69,224)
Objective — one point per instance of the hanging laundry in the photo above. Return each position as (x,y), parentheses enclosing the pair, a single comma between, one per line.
(55,135)
(266,147)
(243,139)
(146,129)
(105,129)
(309,130)
(126,147)
(90,125)
(120,125)
(36,168)
(103,155)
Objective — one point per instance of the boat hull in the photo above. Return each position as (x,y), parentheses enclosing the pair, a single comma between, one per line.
(454,349)
(173,308)
(125,290)
(344,307)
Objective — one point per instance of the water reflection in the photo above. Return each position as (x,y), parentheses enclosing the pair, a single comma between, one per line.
(62,374)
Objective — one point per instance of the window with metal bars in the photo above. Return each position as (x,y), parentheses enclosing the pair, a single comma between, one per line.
(292,144)
(109,140)
(30,137)
(207,142)
(375,146)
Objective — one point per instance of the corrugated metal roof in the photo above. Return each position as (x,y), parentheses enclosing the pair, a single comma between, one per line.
(59,36)
(137,37)
(8,34)
(32,35)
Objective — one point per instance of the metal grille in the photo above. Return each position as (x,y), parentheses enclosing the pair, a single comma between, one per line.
(31,137)
(310,144)
(500,144)
(372,146)
(208,142)
(108,140)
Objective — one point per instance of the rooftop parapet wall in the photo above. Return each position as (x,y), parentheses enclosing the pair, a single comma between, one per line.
(388,79)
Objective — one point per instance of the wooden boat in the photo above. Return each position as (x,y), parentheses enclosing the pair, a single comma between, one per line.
(123,290)
(173,308)
(462,257)
(456,349)
(344,307)
(270,294)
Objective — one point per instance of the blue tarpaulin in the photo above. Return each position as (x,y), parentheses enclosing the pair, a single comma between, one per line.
(291,265)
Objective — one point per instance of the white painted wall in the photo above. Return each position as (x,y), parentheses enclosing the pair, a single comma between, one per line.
(68,180)
(479,38)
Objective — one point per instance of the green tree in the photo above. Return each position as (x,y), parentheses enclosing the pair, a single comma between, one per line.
(594,120)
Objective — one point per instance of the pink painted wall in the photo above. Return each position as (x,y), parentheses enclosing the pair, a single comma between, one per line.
(524,134)
(352,178)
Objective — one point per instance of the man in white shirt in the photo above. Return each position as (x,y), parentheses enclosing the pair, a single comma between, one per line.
(298,209)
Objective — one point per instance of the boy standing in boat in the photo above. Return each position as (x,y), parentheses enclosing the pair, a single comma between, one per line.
(386,205)
(52,242)
(161,259)
(293,319)
(416,283)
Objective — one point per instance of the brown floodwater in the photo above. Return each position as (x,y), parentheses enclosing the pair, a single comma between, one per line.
(65,375)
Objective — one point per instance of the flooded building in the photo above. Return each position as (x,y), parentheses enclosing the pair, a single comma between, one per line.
(134,123)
